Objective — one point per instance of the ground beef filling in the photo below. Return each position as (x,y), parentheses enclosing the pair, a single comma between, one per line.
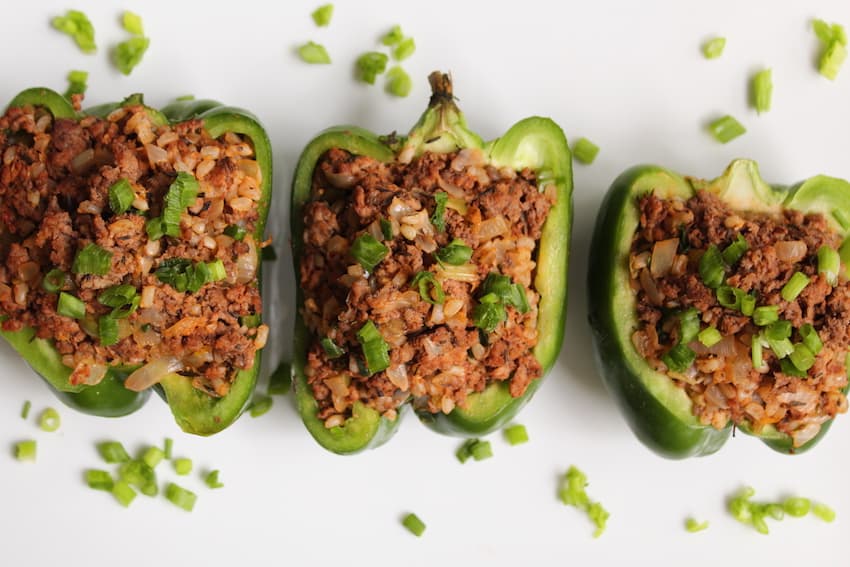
(54,201)
(438,356)
(722,382)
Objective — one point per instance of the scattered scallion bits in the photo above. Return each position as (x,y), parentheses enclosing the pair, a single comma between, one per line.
(332,350)
(368,251)
(211,480)
(679,358)
(762,90)
(25,410)
(129,53)
(713,48)
(168,447)
(688,325)
(516,434)
(70,306)
(398,82)
(463,453)
(811,338)
(375,348)
(756,351)
(112,452)
(455,253)
(797,506)
(180,497)
(748,303)
(404,49)
(711,269)
(392,37)
(794,286)
(314,53)
(49,420)
(123,493)
(139,475)
(370,65)
(726,128)
(438,217)
(25,450)
(778,330)
(77,25)
(413,524)
(235,232)
(99,480)
(322,15)
(709,336)
(802,357)
(572,492)
(481,450)
(77,83)
(834,43)
(107,329)
(823,512)
(430,289)
(585,151)
(735,251)
(488,313)
(260,406)
(92,259)
(765,315)
(829,264)
(121,196)
(153,456)
(182,466)
(54,280)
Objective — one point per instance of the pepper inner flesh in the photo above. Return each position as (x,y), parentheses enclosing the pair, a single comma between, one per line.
(721,380)
(55,199)
(440,345)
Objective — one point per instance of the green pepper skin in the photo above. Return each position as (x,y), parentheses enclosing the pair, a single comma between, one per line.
(536,143)
(193,410)
(658,412)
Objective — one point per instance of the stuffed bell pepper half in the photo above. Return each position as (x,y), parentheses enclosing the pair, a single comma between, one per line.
(130,247)
(432,270)
(722,305)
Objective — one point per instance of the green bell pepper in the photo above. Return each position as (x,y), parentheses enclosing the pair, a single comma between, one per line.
(194,411)
(535,143)
(656,409)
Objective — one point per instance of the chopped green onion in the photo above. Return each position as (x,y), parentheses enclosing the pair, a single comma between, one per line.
(463,452)
(77,25)
(756,348)
(748,303)
(168,446)
(404,49)
(121,196)
(778,330)
(709,336)
(828,33)
(92,260)
(689,325)
(762,90)
(811,338)
(585,151)
(481,450)
(829,264)
(393,36)
(802,357)
(516,434)
(711,269)
(573,493)
(112,452)
(375,348)
(123,493)
(832,59)
(505,292)
(180,497)
(182,466)
(679,358)
(129,53)
(387,229)
(280,380)
(727,297)
(735,251)
(77,83)
(823,512)
(140,475)
(726,128)
(107,330)
(456,253)
(332,350)
(154,228)
(796,506)
(117,295)
(368,252)
(25,410)
(398,82)
(765,315)
(260,406)
(183,276)
(217,271)
(54,280)
(49,420)
(323,14)
(25,450)
(126,310)
(370,65)
(70,306)
(99,480)
(694,526)
(795,285)
(211,480)
(314,54)
(414,525)
(787,367)
(438,217)
(235,232)
(487,315)
(430,289)
(713,48)
(153,456)
(132,23)
(780,347)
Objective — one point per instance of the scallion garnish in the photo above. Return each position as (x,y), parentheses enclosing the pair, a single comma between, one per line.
(797,506)
(322,15)
(802,357)
(181,194)
(778,330)
(332,350)
(404,49)
(77,25)
(54,280)
(153,456)
(140,475)
(481,450)
(823,512)
(756,351)
(834,41)
(49,420)
(112,452)
(413,524)
(70,306)
(182,466)
(811,338)
(463,453)
(430,289)
(107,329)
(572,492)
(25,409)
(711,268)
(488,313)
(829,264)
(99,480)
(260,405)
(180,497)
(787,367)
(748,303)
(392,37)
(183,275)
(314,53)
(77,83)
(370,65)
(25,450)
(726,128)
(727,297)
(709,336)
(235,232)
(456,253)
(168,446)
(762,90)
(387,229)
(211,480)
(694,526)
(679,358)
(92,260)
(438,217)
(375,348)
(735,251)
(123,493)
(795,285)
(129,53)
(399,82)
(121,196)
(765,315)
(117,295)
(780,347)
(688,325)
(713,48)
(368,252)
(585,151)
(132,23)
(516,434)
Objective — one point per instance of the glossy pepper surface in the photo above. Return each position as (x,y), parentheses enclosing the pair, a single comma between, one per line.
(535,143)
(656,409)
(194,411)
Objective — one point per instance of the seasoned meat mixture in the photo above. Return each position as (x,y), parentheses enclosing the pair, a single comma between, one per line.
(116,258)
(417,280)
(769,303)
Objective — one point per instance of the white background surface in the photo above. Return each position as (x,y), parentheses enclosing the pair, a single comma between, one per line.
(627,75)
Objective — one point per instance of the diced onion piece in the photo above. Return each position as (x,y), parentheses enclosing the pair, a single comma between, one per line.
(663,253)
(156,154)
(791,251)
(491,228)
(152,373)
